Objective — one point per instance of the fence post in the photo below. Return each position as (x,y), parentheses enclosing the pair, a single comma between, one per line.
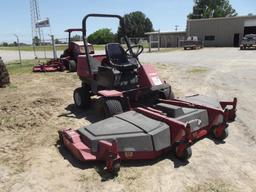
(18,42)
(53,47)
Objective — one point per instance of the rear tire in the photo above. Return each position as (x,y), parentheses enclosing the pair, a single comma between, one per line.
(72,66)
(82,97)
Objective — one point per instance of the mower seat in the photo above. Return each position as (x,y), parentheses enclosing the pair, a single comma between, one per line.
(118,59)
(122,72)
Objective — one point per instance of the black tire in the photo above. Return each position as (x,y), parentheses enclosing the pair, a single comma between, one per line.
(168,94)
(106,108)
(82,98)
(65,53)
(187,153)
(4,75)
(72,66)
(61,141)
(223,135)
(116,168)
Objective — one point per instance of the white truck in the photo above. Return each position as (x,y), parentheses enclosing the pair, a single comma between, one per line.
(249,41)
(192,42)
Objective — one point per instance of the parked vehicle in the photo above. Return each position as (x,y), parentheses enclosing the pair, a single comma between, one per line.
(192,43)
(248,42)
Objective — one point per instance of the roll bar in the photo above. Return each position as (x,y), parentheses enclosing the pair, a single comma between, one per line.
(84,29)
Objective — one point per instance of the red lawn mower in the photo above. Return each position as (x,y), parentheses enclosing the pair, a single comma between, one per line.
(68,60)
(143,120)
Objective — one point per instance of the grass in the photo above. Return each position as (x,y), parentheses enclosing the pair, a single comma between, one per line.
(45,48)
(26,67)
(197,70)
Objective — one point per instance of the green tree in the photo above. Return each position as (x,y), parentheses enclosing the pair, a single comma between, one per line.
(76,38)
(5,44)
(137,24)
(102,36)
(212,8)
(36,41)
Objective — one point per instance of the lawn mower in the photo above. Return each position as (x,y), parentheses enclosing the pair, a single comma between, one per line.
(143,119)
(75,48)
(68,59)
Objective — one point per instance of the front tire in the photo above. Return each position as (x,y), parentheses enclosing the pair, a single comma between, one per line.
(82,97)
(106,108)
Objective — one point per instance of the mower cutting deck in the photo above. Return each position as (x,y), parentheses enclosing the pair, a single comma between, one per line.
(147,133)
(143,120)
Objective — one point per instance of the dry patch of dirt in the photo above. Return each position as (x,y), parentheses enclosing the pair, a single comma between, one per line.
(36,106)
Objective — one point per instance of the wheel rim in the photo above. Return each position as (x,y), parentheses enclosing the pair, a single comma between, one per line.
(78,100)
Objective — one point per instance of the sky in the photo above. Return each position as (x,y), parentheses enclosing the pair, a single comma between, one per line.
(63,14)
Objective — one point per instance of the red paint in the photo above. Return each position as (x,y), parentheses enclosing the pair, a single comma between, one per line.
(147,73)
(51,66)
(110,93)
(83,67)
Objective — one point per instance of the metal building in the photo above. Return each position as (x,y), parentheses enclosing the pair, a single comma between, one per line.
(222,32)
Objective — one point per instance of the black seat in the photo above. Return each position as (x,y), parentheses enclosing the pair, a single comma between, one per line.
(117,57)
(122,72)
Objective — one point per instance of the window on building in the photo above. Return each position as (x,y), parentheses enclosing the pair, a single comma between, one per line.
(209,38)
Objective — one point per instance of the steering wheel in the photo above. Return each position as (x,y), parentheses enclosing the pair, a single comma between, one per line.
(130,52)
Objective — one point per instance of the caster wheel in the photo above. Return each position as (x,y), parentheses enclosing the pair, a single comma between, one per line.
(220,135)
(185,154)
(116,168)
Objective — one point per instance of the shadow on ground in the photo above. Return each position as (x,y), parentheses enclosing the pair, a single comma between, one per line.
(74,112)
(100,167)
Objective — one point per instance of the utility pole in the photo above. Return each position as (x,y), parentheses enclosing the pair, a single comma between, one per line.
(176,27)
(18,42)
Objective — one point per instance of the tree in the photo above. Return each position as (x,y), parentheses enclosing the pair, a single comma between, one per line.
(76,38)
(5,44)
(212,8)
(36,41)
(101,36)
(137,24)
(57,41)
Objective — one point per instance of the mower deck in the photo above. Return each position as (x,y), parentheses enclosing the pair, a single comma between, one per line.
(148,132)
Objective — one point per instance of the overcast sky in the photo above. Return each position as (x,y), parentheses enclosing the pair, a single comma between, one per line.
(164,14)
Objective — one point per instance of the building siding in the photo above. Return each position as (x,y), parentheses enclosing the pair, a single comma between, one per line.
(223,29)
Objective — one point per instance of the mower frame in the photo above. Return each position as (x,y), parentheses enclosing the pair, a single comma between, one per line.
(183,133)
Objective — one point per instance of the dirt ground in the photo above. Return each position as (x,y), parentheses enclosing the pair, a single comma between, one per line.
(35,106)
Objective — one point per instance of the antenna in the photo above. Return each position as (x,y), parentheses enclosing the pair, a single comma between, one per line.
(35,16)
(176,27)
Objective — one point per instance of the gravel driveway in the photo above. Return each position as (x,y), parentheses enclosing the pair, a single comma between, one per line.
(8,56)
